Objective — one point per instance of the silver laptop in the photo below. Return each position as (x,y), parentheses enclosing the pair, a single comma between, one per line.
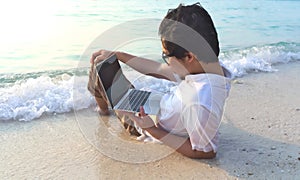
(121,93)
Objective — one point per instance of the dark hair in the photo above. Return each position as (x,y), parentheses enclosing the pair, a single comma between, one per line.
(195,17)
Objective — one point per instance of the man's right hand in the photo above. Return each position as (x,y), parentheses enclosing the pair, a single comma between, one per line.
(100,56)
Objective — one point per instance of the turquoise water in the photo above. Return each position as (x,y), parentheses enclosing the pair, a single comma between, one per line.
(42,43)
(50,35)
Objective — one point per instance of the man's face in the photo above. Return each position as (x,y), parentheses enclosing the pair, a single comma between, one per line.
(178,66)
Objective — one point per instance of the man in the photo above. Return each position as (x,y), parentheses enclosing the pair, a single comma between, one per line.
(190,114)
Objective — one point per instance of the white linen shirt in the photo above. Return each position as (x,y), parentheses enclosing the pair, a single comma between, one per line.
(194,109)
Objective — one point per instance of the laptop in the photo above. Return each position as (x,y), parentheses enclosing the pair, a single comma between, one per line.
(121,93)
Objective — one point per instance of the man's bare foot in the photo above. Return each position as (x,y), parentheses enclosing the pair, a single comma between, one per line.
(104,112)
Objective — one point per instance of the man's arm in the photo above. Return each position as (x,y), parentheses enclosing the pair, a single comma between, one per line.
(146,66)
(180,144)
(142,65)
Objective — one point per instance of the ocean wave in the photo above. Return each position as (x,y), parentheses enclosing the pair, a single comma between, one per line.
(31,98)
(25,97)
(259,58)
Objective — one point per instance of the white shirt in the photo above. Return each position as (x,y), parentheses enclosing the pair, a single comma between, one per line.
(194,109)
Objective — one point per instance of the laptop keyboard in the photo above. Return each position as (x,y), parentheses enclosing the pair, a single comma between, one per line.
(134,100)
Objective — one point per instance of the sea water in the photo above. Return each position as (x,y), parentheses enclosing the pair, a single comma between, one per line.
(43,60)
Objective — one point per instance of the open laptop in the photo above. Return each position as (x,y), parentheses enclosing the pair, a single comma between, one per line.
(121,93)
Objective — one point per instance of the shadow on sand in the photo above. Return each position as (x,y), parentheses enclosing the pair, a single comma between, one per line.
(246,155)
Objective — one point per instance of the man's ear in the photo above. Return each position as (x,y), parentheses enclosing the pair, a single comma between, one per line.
(189,57)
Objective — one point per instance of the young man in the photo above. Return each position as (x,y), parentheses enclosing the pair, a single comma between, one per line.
(191,112)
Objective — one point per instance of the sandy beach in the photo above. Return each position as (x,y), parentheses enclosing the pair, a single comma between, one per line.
(260,139)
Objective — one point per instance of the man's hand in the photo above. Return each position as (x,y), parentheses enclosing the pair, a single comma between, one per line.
(100,56)
(143,120)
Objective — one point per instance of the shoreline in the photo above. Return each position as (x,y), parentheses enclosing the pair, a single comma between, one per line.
(259,138)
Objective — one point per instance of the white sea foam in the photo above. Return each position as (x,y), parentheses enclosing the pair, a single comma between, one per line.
(254,59)
(57,92)
(30,99)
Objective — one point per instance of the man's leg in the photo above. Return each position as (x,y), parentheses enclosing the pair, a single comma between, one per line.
(96,90)
(103,106)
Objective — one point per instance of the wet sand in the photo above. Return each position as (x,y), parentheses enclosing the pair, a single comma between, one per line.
(260,139)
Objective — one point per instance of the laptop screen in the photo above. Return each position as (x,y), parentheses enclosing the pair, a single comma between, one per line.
(113,80)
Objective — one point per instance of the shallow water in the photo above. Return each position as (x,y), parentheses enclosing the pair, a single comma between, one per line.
(43,65)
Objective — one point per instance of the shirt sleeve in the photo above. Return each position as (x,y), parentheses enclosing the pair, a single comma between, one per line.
(202,127)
